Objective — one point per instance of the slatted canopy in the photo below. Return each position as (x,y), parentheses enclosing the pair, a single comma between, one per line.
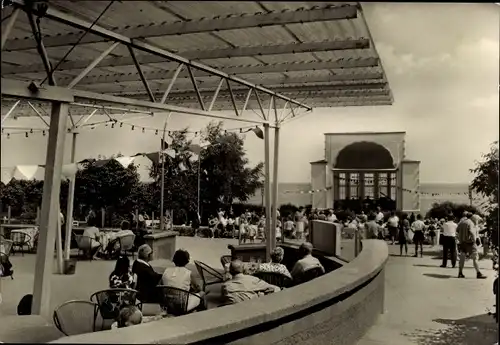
(205,55)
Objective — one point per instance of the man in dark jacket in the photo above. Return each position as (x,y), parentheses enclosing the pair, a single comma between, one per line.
(147,278)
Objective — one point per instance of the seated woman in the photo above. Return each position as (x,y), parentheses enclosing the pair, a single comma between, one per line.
(147,278)
(93,233)
(122,277)
(275,265)
(182,278)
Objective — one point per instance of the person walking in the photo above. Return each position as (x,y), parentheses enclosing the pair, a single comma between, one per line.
(418,227)
(467,237)
(404,226)
(449,241)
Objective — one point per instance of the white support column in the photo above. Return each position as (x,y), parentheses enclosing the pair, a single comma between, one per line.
(267,191)
(50,211)
(70,204)
(275,186)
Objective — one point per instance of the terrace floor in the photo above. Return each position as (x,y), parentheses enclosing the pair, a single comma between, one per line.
(425,304)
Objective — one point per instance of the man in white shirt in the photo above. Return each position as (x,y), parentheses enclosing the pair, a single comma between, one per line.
(392,226)
(379,218)
(449,234)
(331,217)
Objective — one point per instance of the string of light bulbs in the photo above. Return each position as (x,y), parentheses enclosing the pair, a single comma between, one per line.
(121,124)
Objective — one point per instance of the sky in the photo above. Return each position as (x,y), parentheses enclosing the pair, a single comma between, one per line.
(442,62)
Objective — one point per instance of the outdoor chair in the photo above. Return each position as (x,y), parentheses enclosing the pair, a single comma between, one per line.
(75,317)
(111,301)
(208,275)
(4,260)
(127,245)
(308,275)
(176,301)
(20,240)
(225,259)
(84,244)
(6,246)
(275,278)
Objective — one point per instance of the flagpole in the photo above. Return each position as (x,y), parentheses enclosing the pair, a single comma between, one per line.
(162,190)
(199,184)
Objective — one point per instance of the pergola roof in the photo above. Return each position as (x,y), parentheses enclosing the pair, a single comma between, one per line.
(317,53)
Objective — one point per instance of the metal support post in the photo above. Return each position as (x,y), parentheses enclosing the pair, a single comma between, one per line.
(92,65)
(172,82)
(6,116)
(275,186)
(10,24)
(59,247)
(267,191)
(162,187)
(216,93)
(50,212)
(70,204)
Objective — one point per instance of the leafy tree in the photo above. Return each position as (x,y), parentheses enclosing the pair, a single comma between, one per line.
(485,183)
(109,186)
(441,210)
(226,174)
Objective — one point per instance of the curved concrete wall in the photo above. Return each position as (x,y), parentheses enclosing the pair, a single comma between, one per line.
(337,308)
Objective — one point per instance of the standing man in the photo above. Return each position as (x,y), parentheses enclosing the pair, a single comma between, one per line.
(467,237)
(379,218)
(449,236)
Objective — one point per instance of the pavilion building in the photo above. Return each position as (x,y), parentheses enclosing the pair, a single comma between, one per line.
(366,167)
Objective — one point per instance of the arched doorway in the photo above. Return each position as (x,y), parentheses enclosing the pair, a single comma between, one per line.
(365,177)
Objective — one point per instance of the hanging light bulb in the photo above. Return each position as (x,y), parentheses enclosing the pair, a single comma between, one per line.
(241,130)
(112,125)
(143,129)
(26,134)
(43,133)
(133,127)
(31,131)
(121,124)
(156,132)
(8,135)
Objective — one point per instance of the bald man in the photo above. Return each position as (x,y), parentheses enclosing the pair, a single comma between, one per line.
(307,262)
(243,287)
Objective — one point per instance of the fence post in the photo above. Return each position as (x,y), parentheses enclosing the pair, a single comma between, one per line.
(9,214)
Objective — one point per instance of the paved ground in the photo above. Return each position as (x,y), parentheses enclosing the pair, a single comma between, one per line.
(425,304)
(428,305)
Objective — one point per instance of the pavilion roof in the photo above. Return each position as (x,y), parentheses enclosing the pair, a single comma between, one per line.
(318,53)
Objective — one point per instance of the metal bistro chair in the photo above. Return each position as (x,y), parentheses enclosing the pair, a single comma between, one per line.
(111,301)
(208,274)
(308,275)
(84,244)
(176,301)
(20,239)
(127,244)
(6,246)
(75,317)
(225,259)
(275,278)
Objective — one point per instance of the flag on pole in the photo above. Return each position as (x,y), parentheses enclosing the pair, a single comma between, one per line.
(164,145)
